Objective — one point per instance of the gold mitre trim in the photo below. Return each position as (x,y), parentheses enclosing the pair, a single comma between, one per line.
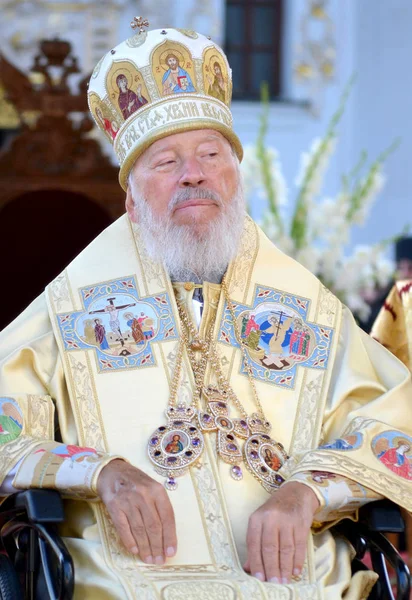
(171,115)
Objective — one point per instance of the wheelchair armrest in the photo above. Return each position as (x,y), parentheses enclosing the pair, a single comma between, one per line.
(367,536)
(41,506)
(30,539)
(382,515)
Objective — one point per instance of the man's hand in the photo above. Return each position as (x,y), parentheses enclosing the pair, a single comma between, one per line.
(140,509)
(278,533)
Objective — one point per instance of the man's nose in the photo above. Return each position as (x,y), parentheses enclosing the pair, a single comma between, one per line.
(193,175)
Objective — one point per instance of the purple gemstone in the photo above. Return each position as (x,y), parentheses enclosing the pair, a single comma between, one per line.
(229,437)
(196,442)
(192,429)
(177,422)
(266,437)
(171,481)
(189,453)
(254,454)
(206,418)
(154,441)
(237,471)
(254,441)
(244,424)
(232,447)
(279,479)
(161,428)
(263,469)
(172,459)
(258,421)
(221,405)
(172,409)
(157,453)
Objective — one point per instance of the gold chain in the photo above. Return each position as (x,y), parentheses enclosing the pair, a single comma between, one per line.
(198,366)
(210,352)
(174,386)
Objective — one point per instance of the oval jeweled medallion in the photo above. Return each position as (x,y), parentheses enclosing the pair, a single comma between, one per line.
(264,457)
(175,447)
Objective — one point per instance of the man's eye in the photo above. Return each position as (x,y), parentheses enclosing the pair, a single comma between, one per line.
(167,162)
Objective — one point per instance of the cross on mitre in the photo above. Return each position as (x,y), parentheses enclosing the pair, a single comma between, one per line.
(139,22)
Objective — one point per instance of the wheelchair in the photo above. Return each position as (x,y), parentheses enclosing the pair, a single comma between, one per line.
(36,565)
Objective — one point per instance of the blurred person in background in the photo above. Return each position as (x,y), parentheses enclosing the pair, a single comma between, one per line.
(376,298)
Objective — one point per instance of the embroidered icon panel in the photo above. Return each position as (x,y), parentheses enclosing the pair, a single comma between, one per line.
(394,450)
(347,442)
(277,336)
(11,420)
(118,325)
(173,69)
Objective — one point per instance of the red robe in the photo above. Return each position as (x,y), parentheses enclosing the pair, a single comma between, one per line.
(398,463)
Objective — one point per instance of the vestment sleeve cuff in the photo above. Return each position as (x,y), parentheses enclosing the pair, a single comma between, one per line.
(72,470)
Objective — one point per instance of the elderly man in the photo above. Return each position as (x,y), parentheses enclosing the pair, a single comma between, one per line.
(169,489)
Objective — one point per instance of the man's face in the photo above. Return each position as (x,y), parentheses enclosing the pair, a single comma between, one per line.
(172,62)
(404,269)
(199,162)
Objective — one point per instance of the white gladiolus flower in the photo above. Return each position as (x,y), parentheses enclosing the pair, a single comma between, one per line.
(309,258)
(320,241)
(313,181)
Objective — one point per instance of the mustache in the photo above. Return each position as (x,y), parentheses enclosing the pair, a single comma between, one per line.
(186,194)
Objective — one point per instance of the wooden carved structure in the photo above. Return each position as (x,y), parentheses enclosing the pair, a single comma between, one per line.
(55,153)
(57,189)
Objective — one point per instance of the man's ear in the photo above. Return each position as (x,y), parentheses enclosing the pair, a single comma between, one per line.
(130,208)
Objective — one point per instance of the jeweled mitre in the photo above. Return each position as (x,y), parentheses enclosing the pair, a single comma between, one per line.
(157,83)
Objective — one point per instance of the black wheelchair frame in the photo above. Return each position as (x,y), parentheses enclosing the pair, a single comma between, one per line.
(36,565)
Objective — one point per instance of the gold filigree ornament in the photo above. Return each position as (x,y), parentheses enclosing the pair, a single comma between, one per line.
(217,418)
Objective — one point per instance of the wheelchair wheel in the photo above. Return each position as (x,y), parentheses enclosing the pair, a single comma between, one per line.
(10,588)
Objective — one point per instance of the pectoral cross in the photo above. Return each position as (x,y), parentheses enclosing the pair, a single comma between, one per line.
(139,22)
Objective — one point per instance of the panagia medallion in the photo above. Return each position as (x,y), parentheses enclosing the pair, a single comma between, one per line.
(263,456)
(176,446)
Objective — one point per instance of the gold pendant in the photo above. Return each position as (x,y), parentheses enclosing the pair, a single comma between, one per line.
(217,419)
(175,447)
(263,456)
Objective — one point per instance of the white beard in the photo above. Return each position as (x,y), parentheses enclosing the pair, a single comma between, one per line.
(188,255)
